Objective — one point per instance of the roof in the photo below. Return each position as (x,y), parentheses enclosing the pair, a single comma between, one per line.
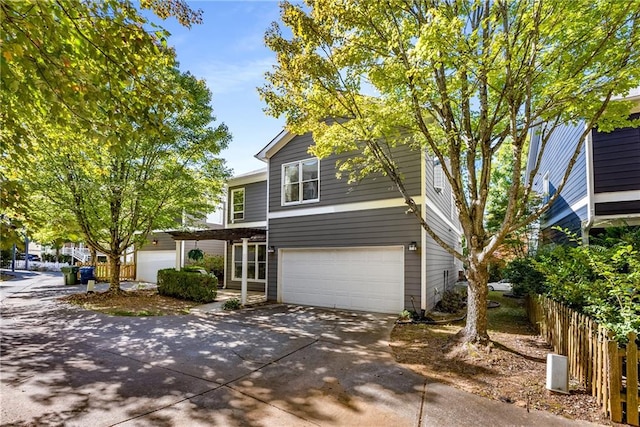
(229,234)
(249,177)
(275,145)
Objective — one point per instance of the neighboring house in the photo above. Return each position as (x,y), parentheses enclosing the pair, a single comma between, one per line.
(160,251)
(313,239)
(604,186)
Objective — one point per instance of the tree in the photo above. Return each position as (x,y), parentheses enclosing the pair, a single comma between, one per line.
(120,183)
(462,79)
(51,226)
(57,59)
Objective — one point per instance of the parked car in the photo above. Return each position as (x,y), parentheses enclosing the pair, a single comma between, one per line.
(502,285)
(30,257)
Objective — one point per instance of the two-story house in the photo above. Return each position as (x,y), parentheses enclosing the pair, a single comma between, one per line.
(603,188)
(332,244)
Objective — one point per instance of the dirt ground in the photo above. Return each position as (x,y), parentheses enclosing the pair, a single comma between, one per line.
(131,303)
(512,369)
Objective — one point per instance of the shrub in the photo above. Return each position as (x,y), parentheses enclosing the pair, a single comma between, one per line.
(524,276)
(231,304)
(191,286)
(601,280)
(211,263)
(451,302)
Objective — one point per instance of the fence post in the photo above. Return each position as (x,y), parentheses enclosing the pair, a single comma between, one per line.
(615,380)
(632,380)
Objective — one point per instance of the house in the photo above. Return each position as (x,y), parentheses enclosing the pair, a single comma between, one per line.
(160,251)
(603,188)
(301,235)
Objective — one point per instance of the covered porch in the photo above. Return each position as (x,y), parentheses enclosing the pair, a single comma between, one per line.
(230,235)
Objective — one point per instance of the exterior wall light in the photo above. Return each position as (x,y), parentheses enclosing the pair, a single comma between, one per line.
(271,249)
(154,242)
(413,246)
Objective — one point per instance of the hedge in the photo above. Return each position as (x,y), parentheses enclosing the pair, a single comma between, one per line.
(187,285)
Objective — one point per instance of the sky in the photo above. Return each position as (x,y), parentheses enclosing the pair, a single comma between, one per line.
(227,50)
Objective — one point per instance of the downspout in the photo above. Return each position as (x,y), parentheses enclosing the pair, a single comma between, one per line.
(266,273)
(586,225)
(423,233)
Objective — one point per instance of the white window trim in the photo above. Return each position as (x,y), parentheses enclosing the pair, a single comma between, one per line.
(299,202)
(233,262)
(233,211)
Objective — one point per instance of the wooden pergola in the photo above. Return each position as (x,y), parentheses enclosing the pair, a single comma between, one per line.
(229,235)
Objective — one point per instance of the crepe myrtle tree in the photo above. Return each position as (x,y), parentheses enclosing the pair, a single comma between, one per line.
(461,79)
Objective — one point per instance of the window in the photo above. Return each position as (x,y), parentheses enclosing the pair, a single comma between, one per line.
(300,182)
(545,188)
(454,208)
(256,262)
(237,204)
(438,176)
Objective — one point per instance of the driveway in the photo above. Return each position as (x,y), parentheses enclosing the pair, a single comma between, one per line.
(271,366)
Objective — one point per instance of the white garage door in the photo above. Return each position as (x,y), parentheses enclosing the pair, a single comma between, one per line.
(367,279)
(149,262)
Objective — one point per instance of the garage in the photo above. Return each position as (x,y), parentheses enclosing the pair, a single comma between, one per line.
(364,279)
(149,262)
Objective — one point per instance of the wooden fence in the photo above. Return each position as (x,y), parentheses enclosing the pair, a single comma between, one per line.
(103,271)
(595,359)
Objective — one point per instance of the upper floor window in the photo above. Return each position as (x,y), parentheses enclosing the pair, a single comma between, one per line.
(237,204)
(438,176)
(546,188)
(301,182)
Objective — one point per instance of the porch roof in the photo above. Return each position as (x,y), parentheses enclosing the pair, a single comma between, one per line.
(228,234)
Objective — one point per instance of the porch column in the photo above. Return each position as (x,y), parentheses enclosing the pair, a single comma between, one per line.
(178,254)
(245,255)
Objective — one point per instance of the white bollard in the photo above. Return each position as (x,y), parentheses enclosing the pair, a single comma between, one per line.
(557,373)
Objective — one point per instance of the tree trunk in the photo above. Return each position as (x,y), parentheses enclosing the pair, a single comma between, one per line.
(94,257)
(475,330)
(114,268)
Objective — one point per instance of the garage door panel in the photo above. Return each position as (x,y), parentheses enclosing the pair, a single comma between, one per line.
(367,279)
(149,262)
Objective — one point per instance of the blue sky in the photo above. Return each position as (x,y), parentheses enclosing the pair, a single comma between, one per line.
(228,51)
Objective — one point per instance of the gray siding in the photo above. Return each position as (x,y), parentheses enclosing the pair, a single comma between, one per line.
(616,160)
(572,222)
(442,269)
(165,242)
(555,160)
(377,227)
(337,191)
(255,201)
(209,247)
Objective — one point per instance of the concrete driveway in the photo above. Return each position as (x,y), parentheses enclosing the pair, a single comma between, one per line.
(271,366)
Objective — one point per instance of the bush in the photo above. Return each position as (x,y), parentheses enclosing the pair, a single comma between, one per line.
(601,280)
(191,286)
(495,270)
(212,264)
(451,302)
(231,304)
(524,276)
